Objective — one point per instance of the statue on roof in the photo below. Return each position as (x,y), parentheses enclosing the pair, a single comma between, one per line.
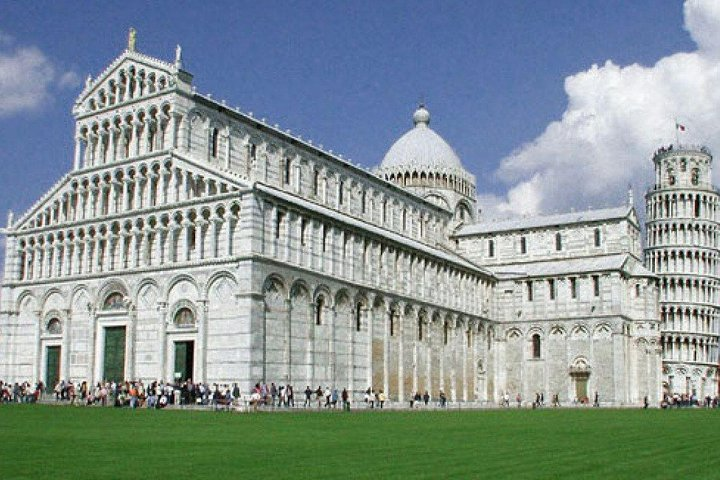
(132,38)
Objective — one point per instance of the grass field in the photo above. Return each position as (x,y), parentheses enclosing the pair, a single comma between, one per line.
(62,442)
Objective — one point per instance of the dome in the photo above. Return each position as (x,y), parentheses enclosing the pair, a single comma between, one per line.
(421,146)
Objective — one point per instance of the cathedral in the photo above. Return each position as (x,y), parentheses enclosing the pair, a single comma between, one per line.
(191,240)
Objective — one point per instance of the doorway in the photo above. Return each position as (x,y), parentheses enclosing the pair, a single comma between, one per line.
(184,360)
(581,388)
(52,367)
(114,358)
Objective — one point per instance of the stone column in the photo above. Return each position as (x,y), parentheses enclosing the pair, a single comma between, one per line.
(66,342)
(386,353)
(309,360)
(401,354)
(331,346)
(202,341)
(371,321)
(287,351)
(162,340)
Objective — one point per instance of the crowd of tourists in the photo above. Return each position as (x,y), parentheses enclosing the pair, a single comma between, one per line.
(680,400)
(161,394)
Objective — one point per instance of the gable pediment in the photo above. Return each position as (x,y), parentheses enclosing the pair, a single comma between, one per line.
(130,77)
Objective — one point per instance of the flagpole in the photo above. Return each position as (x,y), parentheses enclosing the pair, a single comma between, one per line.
(677,137)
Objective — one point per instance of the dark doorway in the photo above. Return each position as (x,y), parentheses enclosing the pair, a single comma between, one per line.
(114,362)
(184,359)
(52,367)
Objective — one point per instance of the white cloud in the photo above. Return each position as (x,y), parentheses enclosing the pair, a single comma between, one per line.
(615,119)
(27,77)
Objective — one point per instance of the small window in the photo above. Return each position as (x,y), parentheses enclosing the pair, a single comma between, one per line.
(54,327)
(319,306)
(253,151)
(523,245)
(420,330)
(551,288)
(637,289)
(391,320)
(278,223)
(341,192)
(536,346)
(529,286)
(597,237)
(558,241)
(363,201)
(324,238)
(316,182)
(491,248)
(695,176)
(358,316)
(573,288)
(303,226)
(286,175)
(445,333)
(214,142)
(404,219)
(114,301)
(596,285)
(184,318)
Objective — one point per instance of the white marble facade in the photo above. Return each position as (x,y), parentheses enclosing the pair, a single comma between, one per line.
(193,240)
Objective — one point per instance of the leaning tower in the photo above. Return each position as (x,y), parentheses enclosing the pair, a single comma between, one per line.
(682,249)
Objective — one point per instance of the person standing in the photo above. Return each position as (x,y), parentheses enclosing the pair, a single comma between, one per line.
(381,398)
(345,400)
(273,393)
(308,396)
(596,401)
(426,398)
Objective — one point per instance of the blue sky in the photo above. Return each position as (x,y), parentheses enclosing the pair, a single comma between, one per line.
(344,74)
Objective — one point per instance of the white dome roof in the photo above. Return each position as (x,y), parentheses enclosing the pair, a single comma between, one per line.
(421,146)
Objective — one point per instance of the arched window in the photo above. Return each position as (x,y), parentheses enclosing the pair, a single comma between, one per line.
(184,317)
(319,306)
(54,327)
(358,316)
(536,346)
(114,301)
(597,237)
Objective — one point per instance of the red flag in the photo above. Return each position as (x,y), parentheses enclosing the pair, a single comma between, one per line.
(680,127)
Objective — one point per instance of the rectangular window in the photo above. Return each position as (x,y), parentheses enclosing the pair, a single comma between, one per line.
(286,175)
(363,199)
(324,238)
(551,288)
(214,142)
(597,237)
(523,245)
(637,289)
(558,242)
(529,285)
(303,225)
(341,186)
(278,223)
(596,285)
(573,288)
(316,182)
(491,248)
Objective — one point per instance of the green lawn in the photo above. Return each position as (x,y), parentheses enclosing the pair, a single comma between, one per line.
(62,442)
